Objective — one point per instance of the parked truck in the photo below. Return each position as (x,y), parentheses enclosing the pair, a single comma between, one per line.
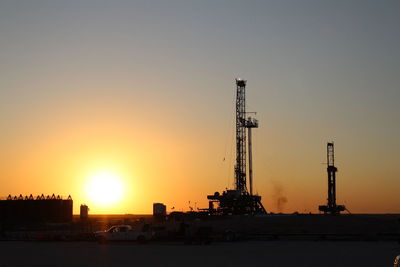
(124,233)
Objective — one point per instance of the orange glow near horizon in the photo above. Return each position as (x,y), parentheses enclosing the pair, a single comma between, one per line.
(164,163)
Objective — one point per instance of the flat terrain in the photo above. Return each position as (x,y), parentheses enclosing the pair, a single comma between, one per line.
(251,253)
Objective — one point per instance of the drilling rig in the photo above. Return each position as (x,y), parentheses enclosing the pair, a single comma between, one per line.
(331,208)
(240,200)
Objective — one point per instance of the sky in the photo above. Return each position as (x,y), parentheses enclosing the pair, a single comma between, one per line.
(145,90)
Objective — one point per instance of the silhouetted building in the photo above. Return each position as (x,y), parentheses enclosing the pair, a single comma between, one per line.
(84,212)
(22,210)
(159,211)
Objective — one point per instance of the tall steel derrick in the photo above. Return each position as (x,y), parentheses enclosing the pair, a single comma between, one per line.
(243,123)
(240,200)
(240,167)
(331,206)
(331,169)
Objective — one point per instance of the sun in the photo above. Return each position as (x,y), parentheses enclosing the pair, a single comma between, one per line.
(104,188)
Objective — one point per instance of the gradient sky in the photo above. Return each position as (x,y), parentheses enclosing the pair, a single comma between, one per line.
(146,89)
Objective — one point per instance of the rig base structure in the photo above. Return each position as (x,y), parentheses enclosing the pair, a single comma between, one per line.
(231,202)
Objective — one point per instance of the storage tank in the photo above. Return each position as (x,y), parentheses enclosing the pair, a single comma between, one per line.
(84,212)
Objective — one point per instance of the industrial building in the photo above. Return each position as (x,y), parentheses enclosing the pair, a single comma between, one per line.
(40,209)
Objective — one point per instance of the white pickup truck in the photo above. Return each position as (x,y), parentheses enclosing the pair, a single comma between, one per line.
(123,233)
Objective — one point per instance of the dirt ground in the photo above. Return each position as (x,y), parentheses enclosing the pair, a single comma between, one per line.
(251,253)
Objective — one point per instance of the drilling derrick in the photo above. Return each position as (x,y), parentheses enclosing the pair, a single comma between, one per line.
(331,208)
(240,200)
(240,167)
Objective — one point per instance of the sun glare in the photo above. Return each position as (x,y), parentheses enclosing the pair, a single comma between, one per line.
(104,188)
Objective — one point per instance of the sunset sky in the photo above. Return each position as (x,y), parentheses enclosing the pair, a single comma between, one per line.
(144,91)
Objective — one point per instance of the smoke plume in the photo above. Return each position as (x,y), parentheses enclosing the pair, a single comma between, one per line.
(279,198)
